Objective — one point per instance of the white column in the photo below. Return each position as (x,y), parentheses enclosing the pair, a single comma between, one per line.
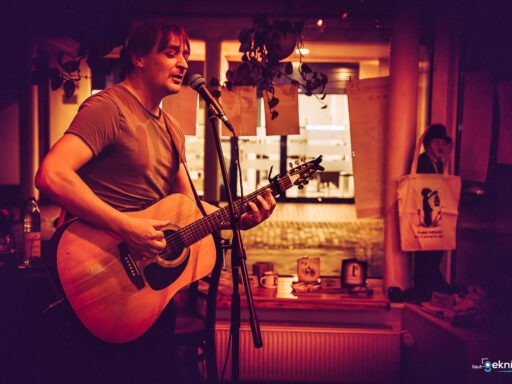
(401,137)
(29,133)
(445,85)
(211,162)
(445,74)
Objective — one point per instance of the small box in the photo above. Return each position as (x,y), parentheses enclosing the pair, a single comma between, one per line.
(353,273)
(308,269)
(442,300)
(260,267)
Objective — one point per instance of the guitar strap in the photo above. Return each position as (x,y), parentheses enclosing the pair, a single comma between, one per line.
(181,154)
(196,196)
(176,142)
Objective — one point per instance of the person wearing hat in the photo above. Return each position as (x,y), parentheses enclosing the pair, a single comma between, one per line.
(427,276)
(437,144)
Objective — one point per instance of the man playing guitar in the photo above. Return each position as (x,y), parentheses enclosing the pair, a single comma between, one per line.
(122,154)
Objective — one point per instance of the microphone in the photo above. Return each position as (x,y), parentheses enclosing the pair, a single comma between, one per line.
(198,84)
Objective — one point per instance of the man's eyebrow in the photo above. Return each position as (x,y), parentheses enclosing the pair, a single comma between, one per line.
(178,47)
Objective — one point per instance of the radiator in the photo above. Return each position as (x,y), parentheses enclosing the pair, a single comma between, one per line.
(314,355)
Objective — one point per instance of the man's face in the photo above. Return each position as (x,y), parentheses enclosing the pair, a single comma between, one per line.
(165,70)
(436,148)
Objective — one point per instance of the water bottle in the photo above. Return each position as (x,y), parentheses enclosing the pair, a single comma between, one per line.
(31,252)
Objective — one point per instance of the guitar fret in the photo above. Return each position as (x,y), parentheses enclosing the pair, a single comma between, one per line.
(206,225)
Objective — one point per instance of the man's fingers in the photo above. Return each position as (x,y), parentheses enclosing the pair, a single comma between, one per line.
(159,244)
(254,207)
(158,224)
(264,204)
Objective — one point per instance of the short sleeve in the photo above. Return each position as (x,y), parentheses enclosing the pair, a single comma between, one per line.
(97,122)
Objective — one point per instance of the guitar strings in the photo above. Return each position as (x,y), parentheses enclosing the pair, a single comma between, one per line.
(195,231)
(202,227)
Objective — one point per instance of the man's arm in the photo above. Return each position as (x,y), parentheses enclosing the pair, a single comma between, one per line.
(58,179)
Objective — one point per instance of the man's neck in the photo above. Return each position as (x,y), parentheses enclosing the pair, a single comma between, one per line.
(143,94)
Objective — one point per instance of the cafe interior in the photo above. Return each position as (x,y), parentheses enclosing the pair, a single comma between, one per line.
(323,291)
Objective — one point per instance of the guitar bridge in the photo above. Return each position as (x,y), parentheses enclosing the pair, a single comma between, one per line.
(130,267)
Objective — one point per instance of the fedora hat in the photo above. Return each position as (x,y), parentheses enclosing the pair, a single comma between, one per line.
(436,131)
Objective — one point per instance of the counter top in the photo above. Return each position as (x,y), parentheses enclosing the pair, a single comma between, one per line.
(328,296)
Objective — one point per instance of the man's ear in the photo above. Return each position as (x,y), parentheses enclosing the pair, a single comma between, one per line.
(138,61)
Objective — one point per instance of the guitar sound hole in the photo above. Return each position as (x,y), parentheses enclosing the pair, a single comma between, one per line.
(174,247)
(160,275)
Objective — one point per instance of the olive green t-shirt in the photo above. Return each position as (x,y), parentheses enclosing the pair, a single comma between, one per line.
(135,158)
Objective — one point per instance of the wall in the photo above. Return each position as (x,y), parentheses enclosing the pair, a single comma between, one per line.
(60,115)
(62,111)
(9,143)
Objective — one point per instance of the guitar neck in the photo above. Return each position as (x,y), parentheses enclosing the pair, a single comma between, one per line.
(220,218)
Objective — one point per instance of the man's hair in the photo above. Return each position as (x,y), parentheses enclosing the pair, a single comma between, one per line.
(145,35)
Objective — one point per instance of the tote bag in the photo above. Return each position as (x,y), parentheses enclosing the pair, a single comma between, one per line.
(428,207)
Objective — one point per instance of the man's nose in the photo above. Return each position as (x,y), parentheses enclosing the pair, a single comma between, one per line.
(182,62)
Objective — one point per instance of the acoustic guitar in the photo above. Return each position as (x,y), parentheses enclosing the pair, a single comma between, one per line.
(118,296)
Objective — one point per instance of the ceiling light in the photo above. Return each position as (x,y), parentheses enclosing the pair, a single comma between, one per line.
(302,51)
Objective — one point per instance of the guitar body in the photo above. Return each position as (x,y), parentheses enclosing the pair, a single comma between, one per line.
(110,304)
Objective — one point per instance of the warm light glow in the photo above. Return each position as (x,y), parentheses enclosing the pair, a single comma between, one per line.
(302,51)
(324,127)
(319,22)
(341,74)
(295,65)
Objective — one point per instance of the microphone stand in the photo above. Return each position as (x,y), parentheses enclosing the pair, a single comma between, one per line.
(238,264)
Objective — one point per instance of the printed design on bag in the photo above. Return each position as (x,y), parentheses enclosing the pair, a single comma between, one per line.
(430,214)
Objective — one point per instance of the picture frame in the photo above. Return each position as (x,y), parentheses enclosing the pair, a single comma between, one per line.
(353,273)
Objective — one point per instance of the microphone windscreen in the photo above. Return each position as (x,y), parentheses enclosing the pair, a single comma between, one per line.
(196,81)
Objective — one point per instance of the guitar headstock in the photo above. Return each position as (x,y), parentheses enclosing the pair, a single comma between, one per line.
(302,173)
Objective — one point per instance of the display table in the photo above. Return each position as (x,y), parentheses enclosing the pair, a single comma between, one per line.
(329,295)
(330,304)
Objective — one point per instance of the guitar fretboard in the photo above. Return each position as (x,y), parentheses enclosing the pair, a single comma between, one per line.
(214,221)
(194,232)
